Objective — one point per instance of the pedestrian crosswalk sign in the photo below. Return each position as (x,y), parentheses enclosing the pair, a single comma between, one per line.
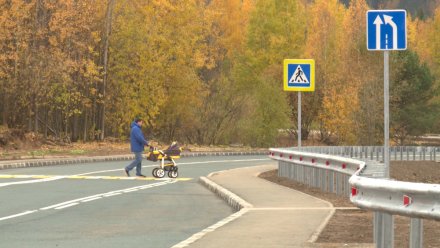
(299,75)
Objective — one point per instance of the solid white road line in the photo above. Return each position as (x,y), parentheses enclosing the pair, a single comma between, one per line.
(209,229)
(17,215)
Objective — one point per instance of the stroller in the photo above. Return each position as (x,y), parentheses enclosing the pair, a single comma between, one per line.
(167,160)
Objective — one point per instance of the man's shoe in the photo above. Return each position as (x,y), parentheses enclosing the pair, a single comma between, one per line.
(127,173)
(140,175)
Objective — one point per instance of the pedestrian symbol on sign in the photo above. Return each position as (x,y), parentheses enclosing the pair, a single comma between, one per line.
(298,77)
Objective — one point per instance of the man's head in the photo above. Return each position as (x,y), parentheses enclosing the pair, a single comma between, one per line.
(138,120)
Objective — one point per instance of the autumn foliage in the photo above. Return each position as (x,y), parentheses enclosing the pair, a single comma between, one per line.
(208,72)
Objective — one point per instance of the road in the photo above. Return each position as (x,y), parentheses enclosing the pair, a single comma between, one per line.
(94,205)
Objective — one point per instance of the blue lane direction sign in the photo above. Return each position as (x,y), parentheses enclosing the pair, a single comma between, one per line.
(299,75)
(386,30)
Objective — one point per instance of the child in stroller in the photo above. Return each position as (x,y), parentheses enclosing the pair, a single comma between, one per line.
(167,160)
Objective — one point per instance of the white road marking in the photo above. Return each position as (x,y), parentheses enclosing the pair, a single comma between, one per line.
(113,170)
(91,199)
(17,215)
(202,233)
(75,202)
(302,208)
(112,193)
(224,161)
(32,181)
(68,205)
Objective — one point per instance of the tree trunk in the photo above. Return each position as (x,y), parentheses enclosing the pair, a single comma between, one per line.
(45,121)
(108,27)
(85,125)
(5,109)
(75,124)
(36,117)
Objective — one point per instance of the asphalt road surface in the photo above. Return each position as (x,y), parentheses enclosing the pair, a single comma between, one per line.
(95,205)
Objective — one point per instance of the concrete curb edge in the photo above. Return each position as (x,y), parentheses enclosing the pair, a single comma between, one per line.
(232,199)
(14,164)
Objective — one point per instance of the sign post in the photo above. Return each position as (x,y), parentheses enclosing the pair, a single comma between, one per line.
(299,75)
(386,31)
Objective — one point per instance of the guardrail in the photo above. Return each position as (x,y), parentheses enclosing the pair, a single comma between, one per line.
(329,168)
(397,153)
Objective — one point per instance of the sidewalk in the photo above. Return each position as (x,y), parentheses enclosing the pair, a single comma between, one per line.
(276,217)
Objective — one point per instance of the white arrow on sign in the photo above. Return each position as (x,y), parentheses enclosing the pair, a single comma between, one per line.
(389,20)
(378,22)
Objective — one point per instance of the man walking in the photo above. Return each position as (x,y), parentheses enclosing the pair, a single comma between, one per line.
(137,143)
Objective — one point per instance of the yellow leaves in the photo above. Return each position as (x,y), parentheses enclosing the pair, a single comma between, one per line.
(229,23)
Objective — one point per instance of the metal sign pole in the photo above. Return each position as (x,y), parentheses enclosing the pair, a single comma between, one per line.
(386,90)
(299,118)
(388,220)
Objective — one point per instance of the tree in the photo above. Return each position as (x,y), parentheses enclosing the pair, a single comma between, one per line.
(276,31)
(413,112)
(326,45)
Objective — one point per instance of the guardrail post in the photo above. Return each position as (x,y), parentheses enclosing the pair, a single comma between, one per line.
(331,182)
(383,230)
(401,153)
(416,233)
(414,153)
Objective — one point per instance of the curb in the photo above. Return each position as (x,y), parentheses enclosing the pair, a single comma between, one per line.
(69,161)
(232,199)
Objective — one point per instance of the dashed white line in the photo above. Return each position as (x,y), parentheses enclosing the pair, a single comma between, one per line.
(91,199)
(112,194)
(68,205)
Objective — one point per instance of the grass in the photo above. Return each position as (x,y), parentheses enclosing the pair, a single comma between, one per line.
(77,152)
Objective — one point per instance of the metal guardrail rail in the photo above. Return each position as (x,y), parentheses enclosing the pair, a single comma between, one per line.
(334,169)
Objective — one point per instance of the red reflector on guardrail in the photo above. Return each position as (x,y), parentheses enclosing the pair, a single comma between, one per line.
(354,191)
(344,166)
(313,160)
(281,155)
(327,163)
(407,200)
(300,158)
(290,157)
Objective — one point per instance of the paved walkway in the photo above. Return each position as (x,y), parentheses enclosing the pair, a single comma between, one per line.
(277,217)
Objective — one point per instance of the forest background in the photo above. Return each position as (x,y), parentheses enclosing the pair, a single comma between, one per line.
(209,72)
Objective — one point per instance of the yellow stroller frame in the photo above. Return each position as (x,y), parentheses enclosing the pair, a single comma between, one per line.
(167,162)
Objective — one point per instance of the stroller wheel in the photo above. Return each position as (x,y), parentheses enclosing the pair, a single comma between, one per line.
(154,172)
(160,173)
(173,174)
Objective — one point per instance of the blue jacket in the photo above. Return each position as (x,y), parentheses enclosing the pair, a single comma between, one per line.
(137,140)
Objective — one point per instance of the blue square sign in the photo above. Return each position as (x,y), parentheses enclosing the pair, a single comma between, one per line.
(386,30)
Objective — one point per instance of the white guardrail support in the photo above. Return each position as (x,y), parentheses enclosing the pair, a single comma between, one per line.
(330,169)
